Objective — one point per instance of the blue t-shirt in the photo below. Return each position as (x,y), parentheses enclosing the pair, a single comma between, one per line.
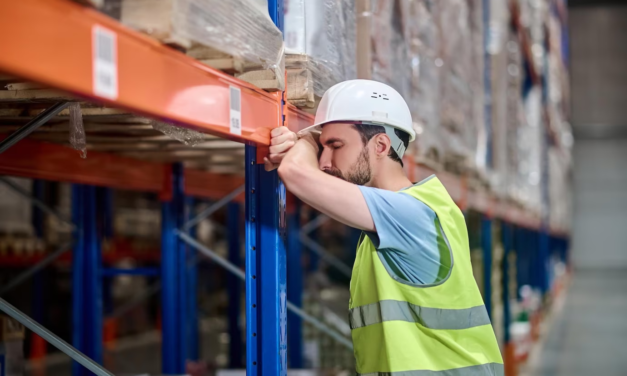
(408,238)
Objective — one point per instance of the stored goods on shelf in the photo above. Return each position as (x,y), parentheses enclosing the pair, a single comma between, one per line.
(320,37)
(461,94)
(439,47)
(405,46)
(213,31)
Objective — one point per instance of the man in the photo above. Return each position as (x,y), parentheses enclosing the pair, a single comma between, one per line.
(415,308)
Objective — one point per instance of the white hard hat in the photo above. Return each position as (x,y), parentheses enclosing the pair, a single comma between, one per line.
(368,102)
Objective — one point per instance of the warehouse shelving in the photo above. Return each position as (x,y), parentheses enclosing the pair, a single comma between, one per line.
(52,42)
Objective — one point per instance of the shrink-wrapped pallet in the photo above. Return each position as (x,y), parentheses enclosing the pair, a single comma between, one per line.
(500,80)
(514,117)
(320,37)
(241,29)
(423,41)
(405,44)
(461,88)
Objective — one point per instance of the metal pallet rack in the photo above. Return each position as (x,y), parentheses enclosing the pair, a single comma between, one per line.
(52,41)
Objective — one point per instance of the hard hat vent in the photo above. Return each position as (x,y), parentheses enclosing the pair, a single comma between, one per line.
(381,95)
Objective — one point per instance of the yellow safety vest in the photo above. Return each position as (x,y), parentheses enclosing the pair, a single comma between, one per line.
(422,330)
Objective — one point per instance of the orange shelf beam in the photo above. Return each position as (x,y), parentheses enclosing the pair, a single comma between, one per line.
(52,42)
(46,161)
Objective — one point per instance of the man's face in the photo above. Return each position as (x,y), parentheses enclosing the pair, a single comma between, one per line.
(344,154)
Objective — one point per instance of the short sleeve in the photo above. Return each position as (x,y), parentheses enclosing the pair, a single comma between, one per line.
(408,237)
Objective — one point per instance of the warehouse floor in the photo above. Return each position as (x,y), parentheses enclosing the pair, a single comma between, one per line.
(590,335)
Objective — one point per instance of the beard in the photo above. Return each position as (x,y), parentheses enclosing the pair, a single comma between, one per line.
(359,173)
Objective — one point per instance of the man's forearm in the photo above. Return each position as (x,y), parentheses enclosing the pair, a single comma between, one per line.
(299,166)
(334,197)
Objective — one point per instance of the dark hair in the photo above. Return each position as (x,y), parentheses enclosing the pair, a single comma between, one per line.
(368,131)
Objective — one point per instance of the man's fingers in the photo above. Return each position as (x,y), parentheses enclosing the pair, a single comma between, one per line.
(276,158)
(281,148)
(275,132)
(284,137)
(269,166)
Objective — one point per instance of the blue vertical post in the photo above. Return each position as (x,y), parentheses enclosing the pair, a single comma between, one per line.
(314,259)
(234,287)
(191,291)
(294,286)
(86,283)
(486,245)
(77,274)
(253,347)
(507,235)
(543,259)
(173,258)
(272,274)
(266,309)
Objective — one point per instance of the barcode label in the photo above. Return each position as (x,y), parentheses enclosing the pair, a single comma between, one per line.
(235,96)
(105,62)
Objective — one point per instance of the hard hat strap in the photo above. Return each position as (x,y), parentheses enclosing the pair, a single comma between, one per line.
(397,143)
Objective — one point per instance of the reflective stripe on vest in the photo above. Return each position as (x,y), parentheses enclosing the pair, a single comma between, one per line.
(432,318)
(489,369)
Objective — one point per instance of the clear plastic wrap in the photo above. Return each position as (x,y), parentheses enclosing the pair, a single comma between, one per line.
(514,118)
(560,194)
(530,143)
(324,33)
(500,82)
(77,130)
(476,134)
(459,110)
(185,135)
(240,28)
(390,56)
(423,41)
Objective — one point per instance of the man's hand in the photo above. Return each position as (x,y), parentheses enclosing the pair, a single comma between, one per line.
(282,140)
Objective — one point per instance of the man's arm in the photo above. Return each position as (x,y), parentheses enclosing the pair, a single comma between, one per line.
(340,200)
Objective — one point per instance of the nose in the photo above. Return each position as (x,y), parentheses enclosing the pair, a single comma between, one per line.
(325,159)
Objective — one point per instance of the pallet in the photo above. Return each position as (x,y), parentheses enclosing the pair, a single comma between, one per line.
(300,81)
(115,131)
(217,59)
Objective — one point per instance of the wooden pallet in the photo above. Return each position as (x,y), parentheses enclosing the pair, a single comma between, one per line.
(114,131)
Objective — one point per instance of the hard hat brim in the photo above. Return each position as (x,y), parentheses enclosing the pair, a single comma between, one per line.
(412,135)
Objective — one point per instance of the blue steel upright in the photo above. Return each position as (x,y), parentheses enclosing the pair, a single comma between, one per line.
(191,290)
(87,305)
(234,287)
(294,286)
(266,294)
(486,245)
(173,267)
(507,237)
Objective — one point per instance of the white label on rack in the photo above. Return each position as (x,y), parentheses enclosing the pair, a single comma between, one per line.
(235,99)
(105,62)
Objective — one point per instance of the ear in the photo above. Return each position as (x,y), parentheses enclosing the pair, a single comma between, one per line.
(382,145)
